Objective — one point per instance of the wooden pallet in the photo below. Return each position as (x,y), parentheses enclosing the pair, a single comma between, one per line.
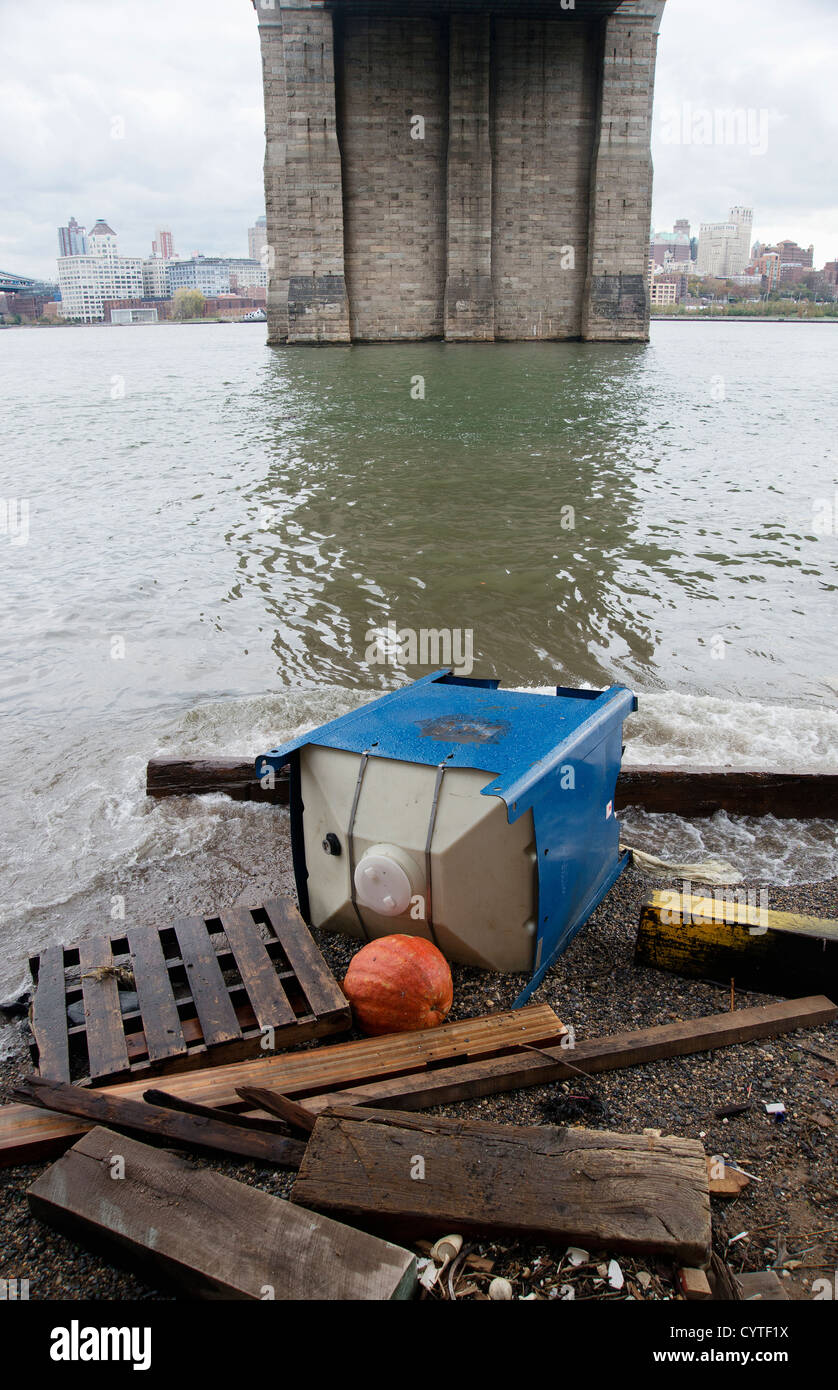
(207,989)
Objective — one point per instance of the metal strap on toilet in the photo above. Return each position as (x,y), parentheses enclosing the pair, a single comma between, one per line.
(350,842)
(429,915)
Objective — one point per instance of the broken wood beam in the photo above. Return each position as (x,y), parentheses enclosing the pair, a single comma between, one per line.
(165,1101)
(702,791)
(717,937)
(166,1126)
(275,1104)
(207,1235)
(680,791)
(234,777)
(591,1188)
(543,1065)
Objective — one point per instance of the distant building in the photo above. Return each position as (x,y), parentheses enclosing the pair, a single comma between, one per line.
(830,274)
(792,254)
(86,281)
(724,248)
(136,310)
(72,239)
(163,244)
(214,275)
(664,291)
(134,314)
(674,246)
(257,240)
(155,278)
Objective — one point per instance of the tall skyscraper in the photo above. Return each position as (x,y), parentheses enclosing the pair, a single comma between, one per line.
(72,239)
(724,248)
(257,240)
(163,244)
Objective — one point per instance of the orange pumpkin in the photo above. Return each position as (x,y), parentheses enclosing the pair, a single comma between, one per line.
(399,984)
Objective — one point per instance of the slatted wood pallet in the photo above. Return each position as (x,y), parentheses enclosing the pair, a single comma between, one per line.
(206,990)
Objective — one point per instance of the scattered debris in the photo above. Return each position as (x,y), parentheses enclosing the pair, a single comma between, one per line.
(256,1245)
(694,1284)
(608,1188)
(777,1110)
(763,1287)
(446,1250)
(725,1180)
(103,1107)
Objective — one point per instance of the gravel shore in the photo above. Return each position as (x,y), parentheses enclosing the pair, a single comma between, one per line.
(787,1220)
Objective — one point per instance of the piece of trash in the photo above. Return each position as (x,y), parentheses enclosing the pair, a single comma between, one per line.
(726,1112)
(725,1179)
(777,1109)
(500,1290)
(567,1293)
(643,1278)
(446,1249)
(428,1273)
(575,1256)
(616,1278)
(602,1271)
(741,1236)
(528,1297)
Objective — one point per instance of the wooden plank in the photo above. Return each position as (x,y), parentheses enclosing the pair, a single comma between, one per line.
(544,1065)
(276,1104)
(317,981)
(49,1015)
(234,777)
(103,1107)
(167,1101)
(702,791)
(717,938)
(24,1137)
(259,974)
(680,791)
(104,1032)
(162,1030)
(209,1235)
(583,1187)
(216,1014)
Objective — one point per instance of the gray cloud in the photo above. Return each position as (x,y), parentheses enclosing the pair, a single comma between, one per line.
(185,78)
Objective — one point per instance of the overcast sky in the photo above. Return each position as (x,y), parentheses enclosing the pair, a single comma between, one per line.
(178,82)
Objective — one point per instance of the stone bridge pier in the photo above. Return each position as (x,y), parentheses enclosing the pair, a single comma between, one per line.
(457,169)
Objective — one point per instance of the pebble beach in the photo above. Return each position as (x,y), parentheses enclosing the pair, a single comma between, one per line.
(786,1218)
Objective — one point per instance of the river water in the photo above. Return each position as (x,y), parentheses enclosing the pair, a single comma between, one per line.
(209,543)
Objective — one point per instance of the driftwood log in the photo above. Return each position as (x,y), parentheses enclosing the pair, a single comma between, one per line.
(682,791)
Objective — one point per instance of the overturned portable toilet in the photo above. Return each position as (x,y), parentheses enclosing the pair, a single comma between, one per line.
(480,818)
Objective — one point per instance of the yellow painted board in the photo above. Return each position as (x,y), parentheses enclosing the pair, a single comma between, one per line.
(721,938)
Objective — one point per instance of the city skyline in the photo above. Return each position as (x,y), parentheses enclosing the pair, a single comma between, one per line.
(736,101)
